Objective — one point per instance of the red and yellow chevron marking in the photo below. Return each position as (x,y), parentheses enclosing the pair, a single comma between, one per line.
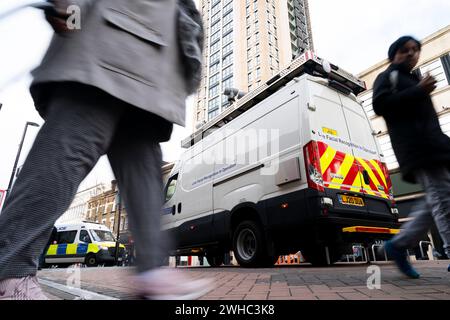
(343,171)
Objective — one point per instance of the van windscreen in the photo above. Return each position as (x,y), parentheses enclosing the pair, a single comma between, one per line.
(102,235)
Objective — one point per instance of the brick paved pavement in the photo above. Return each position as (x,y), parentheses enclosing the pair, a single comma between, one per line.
(304,282)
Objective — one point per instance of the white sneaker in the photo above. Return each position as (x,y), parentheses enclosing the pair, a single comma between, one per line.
(171,284)
(26,288)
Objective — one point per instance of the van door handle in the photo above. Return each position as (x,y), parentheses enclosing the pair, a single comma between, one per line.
(173,210)
(179,207)
(366,177)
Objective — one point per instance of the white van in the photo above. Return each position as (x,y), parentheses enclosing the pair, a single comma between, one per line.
(293,165)
(85,242)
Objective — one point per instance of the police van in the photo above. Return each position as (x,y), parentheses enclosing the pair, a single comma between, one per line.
(85,242)
(293,165)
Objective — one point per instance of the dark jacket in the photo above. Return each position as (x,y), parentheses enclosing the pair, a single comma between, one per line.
(413,125)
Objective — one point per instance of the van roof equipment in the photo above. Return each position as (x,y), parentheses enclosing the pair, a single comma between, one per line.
(306,63)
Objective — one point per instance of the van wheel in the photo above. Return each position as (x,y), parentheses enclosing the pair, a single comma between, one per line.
(91,260)
(249,245)
(215,261)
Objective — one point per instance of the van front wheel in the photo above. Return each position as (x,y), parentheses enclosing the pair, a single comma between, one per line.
(249,245)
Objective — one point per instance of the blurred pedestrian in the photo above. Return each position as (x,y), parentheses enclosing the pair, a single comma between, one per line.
(422,149)
(113,87)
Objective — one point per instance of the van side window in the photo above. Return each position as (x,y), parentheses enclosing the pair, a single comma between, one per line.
(67,236)
(84,236)
(171,187)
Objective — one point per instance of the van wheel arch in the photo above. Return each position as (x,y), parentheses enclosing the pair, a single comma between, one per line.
(250,245)
(251,216)
(243,212)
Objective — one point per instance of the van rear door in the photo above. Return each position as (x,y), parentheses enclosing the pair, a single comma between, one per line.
(329,127)
(349,159)
(374,177)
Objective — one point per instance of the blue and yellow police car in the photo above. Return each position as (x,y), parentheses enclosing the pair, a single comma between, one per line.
(85,242)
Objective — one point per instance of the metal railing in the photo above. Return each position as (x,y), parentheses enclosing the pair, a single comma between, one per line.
(378,245)
(363,250)
(359,248)
(429,244)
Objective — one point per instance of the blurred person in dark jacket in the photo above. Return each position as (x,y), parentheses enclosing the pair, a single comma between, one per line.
(421,148)
(113,87)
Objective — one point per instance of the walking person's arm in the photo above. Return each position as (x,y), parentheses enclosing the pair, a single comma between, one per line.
(384,98)
(58,17)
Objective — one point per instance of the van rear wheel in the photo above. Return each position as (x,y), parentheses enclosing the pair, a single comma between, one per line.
(249,245)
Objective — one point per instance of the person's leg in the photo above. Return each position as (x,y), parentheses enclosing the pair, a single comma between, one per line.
(437,185)
(413,230)
(410,235)
(408,238)
(41,263)
(136,160)
(78,129)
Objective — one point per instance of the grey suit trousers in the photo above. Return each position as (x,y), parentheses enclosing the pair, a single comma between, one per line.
(82,124)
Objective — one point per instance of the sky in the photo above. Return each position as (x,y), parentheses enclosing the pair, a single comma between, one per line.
(353,34)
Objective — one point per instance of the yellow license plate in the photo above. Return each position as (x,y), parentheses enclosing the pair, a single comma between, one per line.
(351,201)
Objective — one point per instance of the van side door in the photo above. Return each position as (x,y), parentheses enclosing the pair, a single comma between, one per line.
(168,214)
(194,213)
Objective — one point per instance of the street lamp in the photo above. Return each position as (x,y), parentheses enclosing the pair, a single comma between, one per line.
(118,204)
(18,156)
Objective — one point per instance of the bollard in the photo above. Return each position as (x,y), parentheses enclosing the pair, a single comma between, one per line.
(364,251)
(375,245)
(429,244)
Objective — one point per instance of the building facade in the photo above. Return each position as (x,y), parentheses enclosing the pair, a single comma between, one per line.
(104,208)
(100,204)
(79,207)
(434,59)
(247,42)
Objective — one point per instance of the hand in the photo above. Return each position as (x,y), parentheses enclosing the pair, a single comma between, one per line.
(58,17)
(428,83)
